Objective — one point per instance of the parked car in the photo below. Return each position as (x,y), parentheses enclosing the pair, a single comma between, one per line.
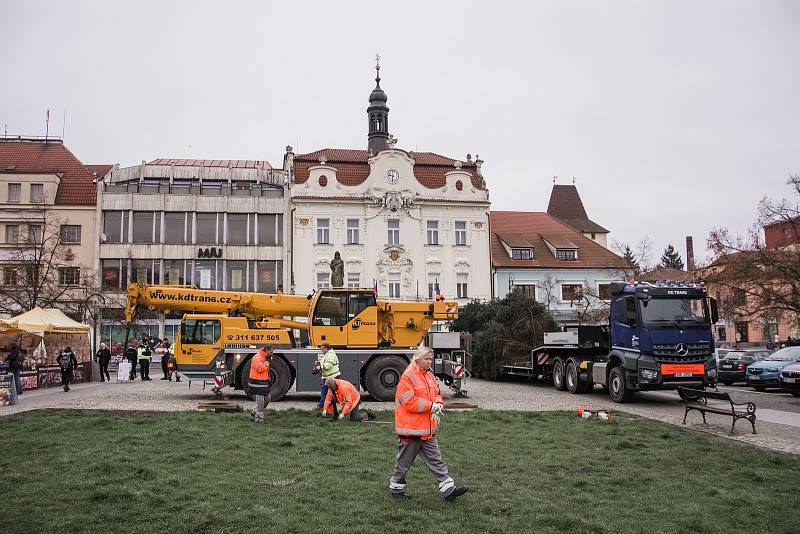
(766,373)
(719,354)
(790,379)
(732,367)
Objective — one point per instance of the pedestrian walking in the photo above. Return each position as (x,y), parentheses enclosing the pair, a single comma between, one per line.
(68,363)
(163,350)
(173,368)
(14,361)
(259,381)
(329,368)
(131,356)
(104,358)
(144,356)
(418,408)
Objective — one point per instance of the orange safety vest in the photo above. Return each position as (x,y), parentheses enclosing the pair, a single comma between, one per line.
(346,395)
(260,359)
(415,395)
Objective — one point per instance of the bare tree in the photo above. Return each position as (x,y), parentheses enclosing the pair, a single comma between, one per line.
(548,286)
(756,280)
(40,269)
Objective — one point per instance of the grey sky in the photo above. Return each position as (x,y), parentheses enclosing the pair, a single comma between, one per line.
(672,116)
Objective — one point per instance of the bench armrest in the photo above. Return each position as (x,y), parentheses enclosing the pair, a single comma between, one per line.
(751,407)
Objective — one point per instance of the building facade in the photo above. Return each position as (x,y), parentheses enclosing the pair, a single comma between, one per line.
(552,262)
(47,221)
(216,224)
(409,224)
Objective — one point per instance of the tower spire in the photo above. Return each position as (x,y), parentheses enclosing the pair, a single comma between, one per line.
(377,114)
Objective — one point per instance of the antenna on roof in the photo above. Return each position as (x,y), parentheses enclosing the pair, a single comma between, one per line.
(64,124)
(573,180)
(555,178)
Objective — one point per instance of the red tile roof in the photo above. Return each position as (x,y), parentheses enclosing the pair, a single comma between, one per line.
(566,205)
(532,226)
(233,163)
(352,167)
(77,187)
(100,170)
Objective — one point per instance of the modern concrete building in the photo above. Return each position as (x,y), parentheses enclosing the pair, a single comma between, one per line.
(217,224)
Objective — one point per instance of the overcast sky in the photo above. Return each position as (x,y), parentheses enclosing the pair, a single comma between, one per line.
(673,117)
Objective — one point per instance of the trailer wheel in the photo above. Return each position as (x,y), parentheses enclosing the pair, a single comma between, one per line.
(573,381)
(558,375)
(383,375)
(617,388)
(279,376)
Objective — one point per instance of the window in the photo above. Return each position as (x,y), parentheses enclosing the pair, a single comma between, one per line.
(566,254)
(37,193)
(353,280)
(200,331)
(323,231)
(114,273)
(175,227)
(358,302)
(10,277)
(394,285)
(69,276)
(70,233)
(331,310)
(788,233)
(205,274)
(352,231)
(433,285)
(461,233)
(323,281)
(594,236)
(236,276)
(521,254)
(174,272)
(12,233)
(739,297)
(270,276)
(237,229)
(35,233)
(433,232)
(115,227)
(207,229)
(604,291)
(571,291)
(393,226)
(144,228)
(461,285)
(270,229)
(14,191)
(529,290)
(143,272)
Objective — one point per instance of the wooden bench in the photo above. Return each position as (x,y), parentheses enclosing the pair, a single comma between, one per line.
(697,399)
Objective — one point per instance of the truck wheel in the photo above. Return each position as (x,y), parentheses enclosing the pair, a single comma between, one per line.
(279,376)
(617,389)
(571,377)
(558,375)
(383,375)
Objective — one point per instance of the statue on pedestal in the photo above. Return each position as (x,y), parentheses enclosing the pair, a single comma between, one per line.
(337,270)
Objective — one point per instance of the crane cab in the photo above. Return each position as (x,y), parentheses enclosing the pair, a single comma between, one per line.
(344,318)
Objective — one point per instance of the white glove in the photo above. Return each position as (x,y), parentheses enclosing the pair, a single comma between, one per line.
(437,408)
(324,413)
(341,416)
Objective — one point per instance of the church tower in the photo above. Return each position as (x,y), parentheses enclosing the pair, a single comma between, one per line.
(377,115)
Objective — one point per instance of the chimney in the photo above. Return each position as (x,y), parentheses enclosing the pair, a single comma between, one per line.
(689,254)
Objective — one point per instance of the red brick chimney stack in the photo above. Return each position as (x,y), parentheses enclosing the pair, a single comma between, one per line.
(689,254)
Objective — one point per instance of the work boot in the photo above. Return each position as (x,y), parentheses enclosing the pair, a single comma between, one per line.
(460,490)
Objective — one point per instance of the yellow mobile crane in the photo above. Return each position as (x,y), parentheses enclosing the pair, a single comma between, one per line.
(374,339)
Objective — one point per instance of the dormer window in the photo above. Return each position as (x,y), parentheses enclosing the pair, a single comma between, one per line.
(521,253)
(565,254)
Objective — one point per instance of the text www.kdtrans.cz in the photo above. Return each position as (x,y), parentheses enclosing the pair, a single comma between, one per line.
(189,298)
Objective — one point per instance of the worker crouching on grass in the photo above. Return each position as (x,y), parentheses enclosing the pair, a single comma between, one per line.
(418,407)
(348,398)
(259,381)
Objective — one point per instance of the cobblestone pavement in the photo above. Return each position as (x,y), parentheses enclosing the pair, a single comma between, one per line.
(159,395)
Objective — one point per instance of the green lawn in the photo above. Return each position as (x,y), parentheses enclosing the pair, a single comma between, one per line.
(78,471)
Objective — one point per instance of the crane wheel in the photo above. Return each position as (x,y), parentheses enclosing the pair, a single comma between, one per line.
(382,376)
(558,375)
(279,375)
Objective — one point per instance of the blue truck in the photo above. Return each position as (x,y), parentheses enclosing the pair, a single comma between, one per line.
(658,337)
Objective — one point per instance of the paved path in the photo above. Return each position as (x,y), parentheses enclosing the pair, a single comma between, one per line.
(778,414)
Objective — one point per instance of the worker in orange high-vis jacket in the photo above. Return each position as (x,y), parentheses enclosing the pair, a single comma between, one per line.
(418,407)
(346,396)
(258,383)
